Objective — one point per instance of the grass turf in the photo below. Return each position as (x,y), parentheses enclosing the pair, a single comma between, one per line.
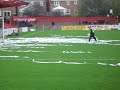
(23,74)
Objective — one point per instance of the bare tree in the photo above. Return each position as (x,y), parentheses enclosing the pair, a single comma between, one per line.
(48,7)
(93,7)
(34,10)
(115,5)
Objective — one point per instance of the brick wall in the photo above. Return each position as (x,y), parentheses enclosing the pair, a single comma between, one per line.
(62,3)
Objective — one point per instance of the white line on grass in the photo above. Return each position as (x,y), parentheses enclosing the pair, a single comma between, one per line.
(57,62)
(13,57)
(97,59)
(62,62)
(75,52)
(9,56)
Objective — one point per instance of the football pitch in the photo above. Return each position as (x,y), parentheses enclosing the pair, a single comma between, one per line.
(60,60)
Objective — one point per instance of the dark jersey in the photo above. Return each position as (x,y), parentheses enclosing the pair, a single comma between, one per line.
(92,34)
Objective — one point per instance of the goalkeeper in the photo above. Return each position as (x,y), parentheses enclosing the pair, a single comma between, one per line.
(92,35)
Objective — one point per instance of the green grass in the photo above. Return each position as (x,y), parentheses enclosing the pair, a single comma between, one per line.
(23,74)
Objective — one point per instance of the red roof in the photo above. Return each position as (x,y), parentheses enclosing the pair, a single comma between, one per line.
(11,3)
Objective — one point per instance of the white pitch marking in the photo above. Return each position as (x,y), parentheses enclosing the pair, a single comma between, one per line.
(27,51)
(9,56)
(113,64)
(102,63)
(62,62)
(74,63)
(57,62)
(118,64)
(75,52)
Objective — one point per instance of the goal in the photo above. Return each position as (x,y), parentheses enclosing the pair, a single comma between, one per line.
(2,28)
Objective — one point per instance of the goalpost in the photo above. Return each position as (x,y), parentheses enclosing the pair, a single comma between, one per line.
(2,27)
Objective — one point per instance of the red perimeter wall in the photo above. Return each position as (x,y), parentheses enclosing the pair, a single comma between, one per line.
(63,19)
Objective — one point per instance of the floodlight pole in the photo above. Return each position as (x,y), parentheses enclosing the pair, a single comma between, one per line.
(111,10)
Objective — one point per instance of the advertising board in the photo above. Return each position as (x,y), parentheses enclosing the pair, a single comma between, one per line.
(82,27)
(94,27)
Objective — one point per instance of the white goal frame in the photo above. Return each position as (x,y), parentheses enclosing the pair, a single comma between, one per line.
(3,35)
